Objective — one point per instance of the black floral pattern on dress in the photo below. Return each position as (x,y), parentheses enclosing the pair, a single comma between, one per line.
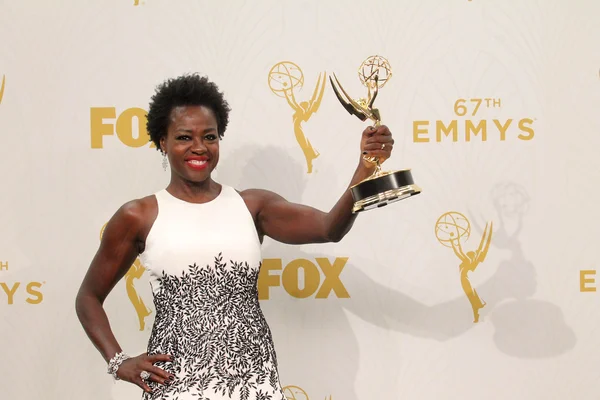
(209,319)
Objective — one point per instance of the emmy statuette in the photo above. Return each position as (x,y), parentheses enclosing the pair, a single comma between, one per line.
(382,187)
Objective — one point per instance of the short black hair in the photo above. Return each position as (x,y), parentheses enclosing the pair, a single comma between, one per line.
(185,90)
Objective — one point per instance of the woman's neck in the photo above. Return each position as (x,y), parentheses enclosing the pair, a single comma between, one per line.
(194,192)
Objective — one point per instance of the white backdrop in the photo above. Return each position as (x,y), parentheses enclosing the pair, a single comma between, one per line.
(407,330)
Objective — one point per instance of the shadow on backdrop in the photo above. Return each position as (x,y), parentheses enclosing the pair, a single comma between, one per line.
(525,327)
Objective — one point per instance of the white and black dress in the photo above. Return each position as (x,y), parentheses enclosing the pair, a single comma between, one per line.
(203,261)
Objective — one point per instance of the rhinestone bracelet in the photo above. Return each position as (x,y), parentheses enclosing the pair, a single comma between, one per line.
(115,363)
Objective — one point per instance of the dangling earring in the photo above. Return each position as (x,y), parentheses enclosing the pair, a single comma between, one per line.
(165,163)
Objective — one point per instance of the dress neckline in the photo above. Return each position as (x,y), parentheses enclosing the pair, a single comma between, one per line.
(206,203)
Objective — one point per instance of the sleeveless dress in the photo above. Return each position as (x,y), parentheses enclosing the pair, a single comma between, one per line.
(203,262)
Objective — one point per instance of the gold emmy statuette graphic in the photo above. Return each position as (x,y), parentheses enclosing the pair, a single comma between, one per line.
(285,78)
(450,230)
(2,88)
(135,272)
(297,393)
(294,393)
(381,188)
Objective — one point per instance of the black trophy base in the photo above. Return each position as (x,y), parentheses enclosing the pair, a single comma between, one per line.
(382,189)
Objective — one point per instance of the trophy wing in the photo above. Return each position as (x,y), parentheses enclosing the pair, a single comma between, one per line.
(2,88)
(315,100)
(484,245)
(350,105)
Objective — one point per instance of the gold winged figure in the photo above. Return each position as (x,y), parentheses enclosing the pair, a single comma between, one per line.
(469,263)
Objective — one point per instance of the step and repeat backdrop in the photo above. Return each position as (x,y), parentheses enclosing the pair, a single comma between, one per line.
(483,286)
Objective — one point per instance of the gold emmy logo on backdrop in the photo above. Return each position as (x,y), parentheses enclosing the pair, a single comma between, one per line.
(381,188)
(2,87)
(33,289)
(471,127)
(451,229)
(135,272)
(285,78)
(587,280)
(297,393)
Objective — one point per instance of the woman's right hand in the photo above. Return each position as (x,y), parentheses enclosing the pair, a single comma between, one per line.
(131,369)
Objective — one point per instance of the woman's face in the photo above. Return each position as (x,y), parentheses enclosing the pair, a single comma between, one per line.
(192,143)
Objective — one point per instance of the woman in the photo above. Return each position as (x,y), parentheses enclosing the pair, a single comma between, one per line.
(200,241)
